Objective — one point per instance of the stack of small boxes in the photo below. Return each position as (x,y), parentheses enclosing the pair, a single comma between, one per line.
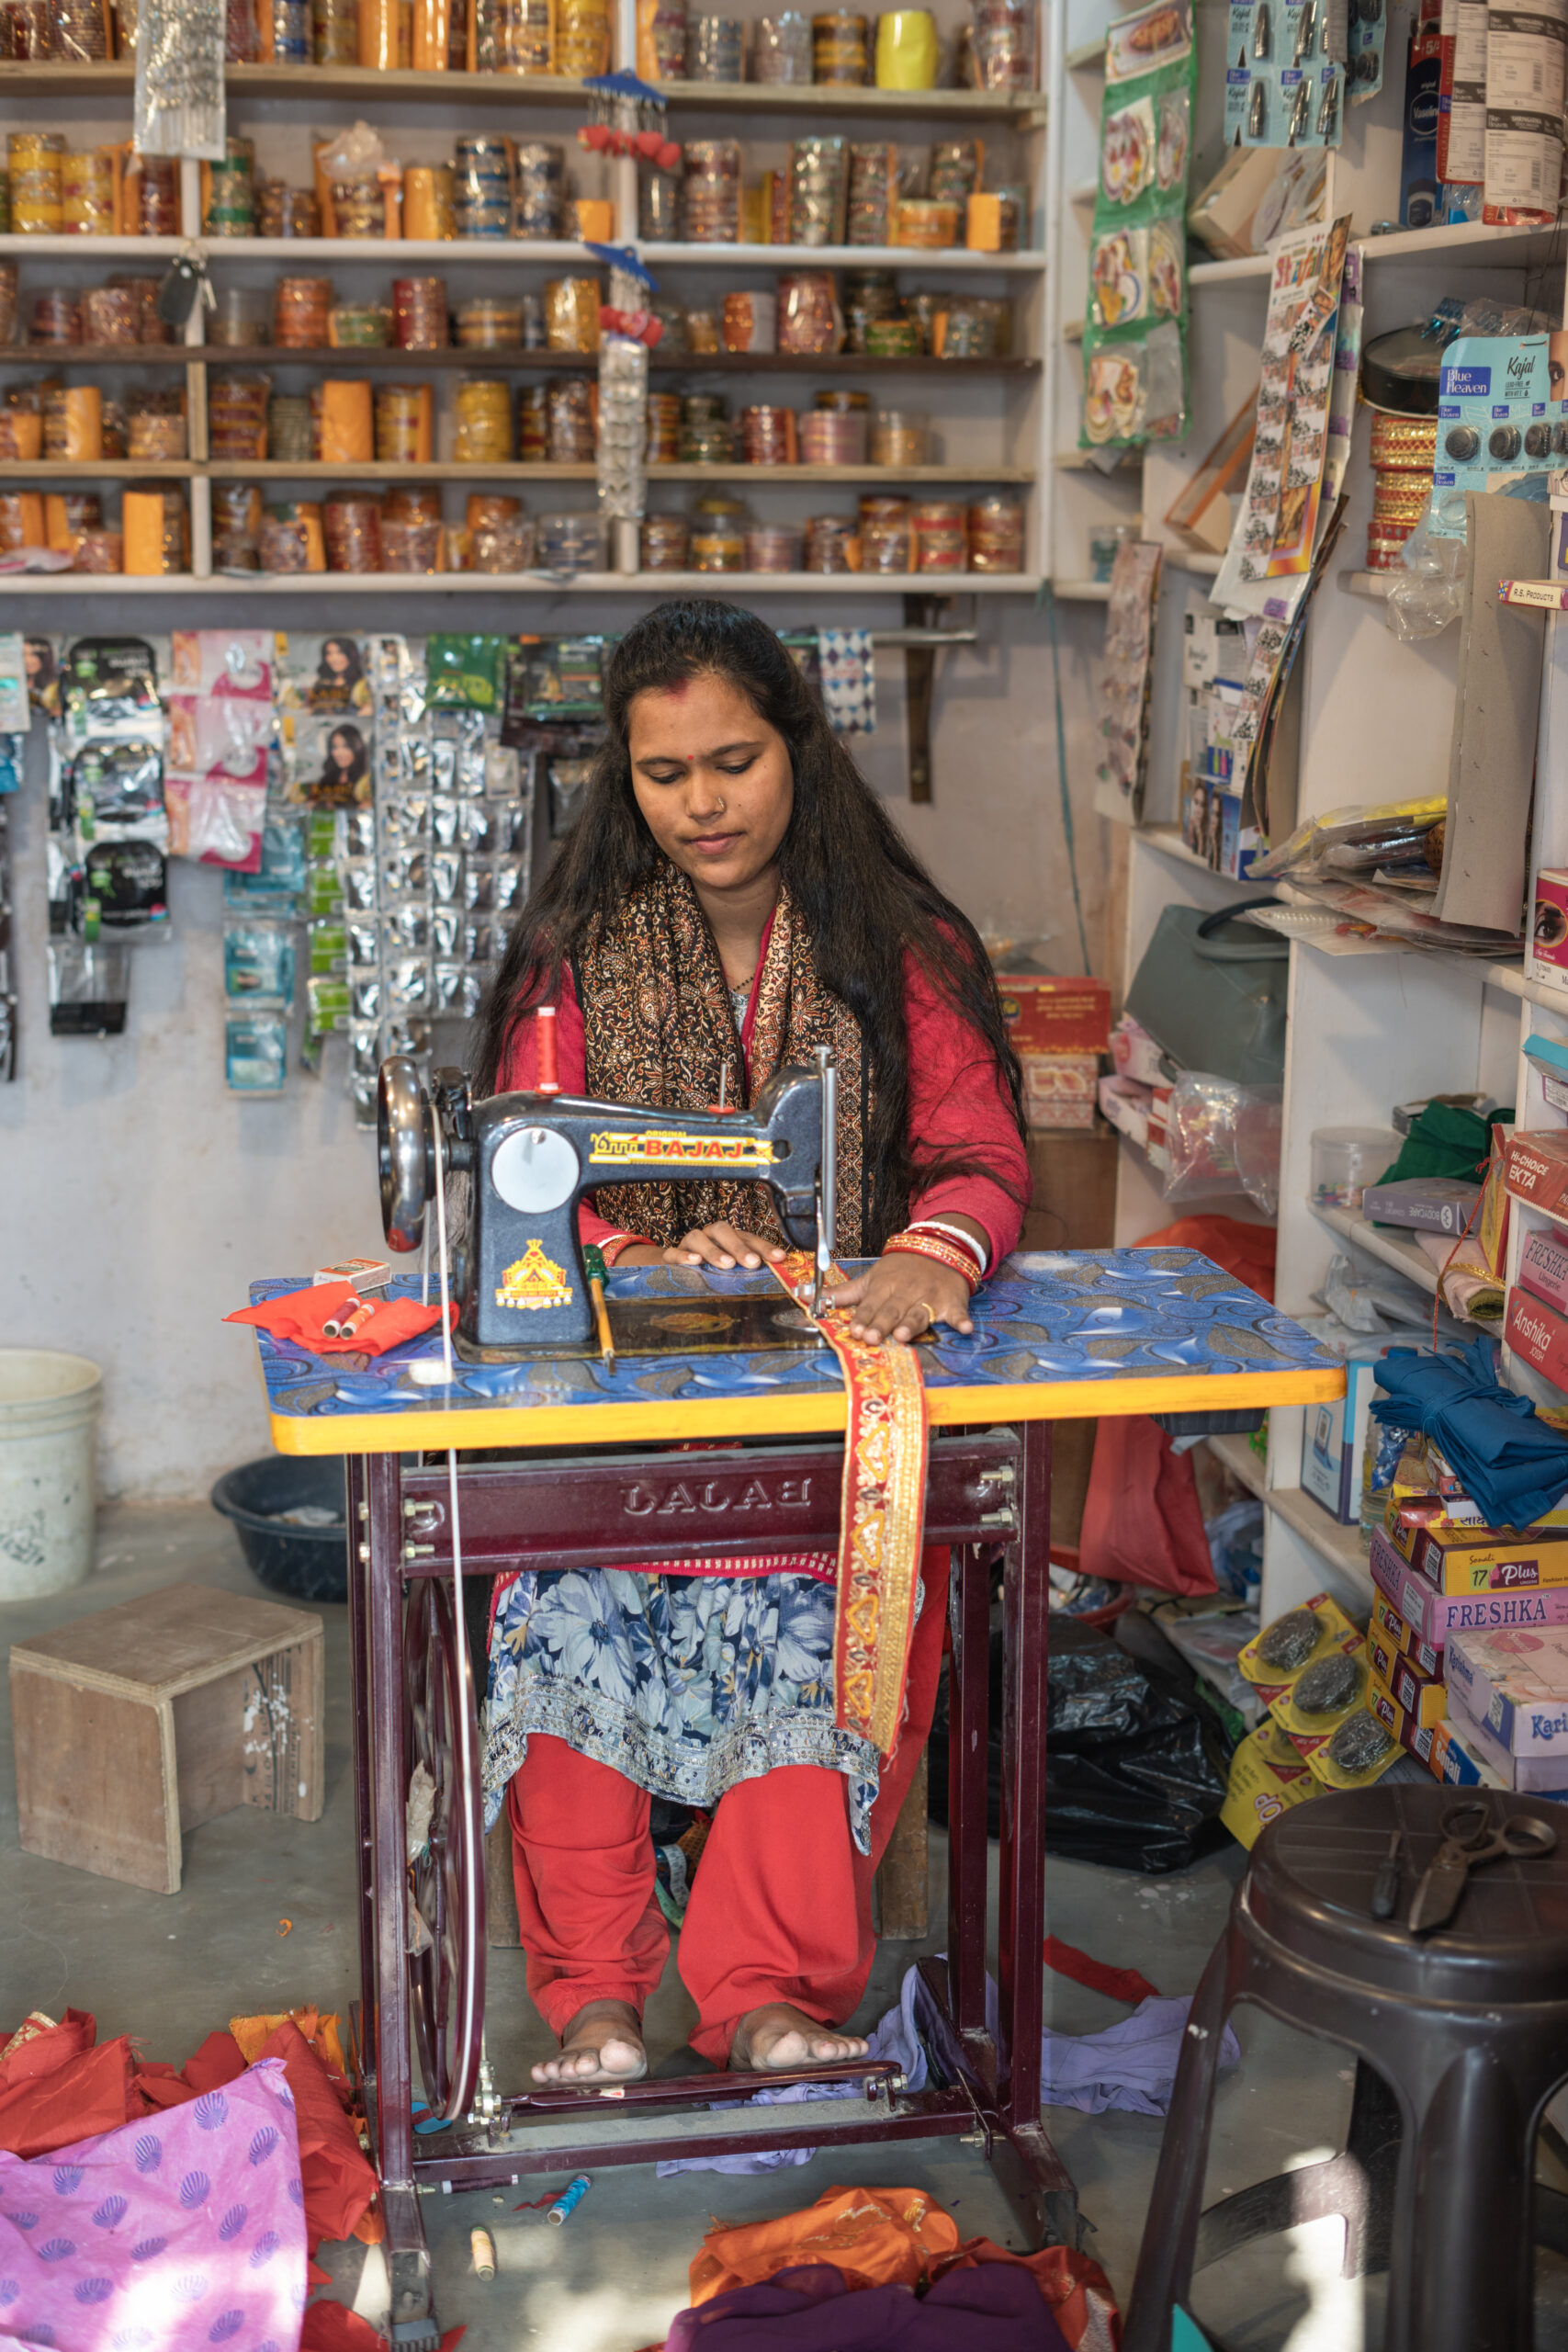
(1059,1027)
(1133,1098)
(1469,1639)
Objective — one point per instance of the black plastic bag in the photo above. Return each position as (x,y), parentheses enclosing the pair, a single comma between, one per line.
(1133,1775)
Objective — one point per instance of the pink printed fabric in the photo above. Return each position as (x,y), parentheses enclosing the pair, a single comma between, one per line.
(186,2230)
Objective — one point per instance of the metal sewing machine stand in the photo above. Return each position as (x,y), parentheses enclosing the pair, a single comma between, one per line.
(988,1498)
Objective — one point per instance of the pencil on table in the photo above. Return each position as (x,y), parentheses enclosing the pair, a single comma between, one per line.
(594,1262)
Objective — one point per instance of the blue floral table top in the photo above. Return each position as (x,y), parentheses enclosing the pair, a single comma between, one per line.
(1058,1335)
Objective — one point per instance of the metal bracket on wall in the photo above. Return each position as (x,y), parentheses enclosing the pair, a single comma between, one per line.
(921,637)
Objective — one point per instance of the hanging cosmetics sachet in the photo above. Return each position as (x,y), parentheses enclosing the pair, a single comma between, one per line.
(1134,338)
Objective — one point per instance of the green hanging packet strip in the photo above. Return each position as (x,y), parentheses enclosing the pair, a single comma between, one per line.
(465,673)
(1135,332)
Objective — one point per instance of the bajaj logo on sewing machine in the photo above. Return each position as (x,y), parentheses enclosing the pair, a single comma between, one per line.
(533,1281)
(667,1143)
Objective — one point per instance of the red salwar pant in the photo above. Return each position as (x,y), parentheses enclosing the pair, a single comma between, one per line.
(780,1907)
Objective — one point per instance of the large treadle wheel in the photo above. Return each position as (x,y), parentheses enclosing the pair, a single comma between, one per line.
(446,1978)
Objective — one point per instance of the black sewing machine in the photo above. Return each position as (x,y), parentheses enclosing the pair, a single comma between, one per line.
(518,1269)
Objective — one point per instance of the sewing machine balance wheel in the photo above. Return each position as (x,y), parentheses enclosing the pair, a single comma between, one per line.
(405,1152)
(446,1974)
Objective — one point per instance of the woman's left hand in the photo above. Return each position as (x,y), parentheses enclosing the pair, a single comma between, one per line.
(903,1295)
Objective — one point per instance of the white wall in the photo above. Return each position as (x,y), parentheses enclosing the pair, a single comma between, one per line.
(138,1198)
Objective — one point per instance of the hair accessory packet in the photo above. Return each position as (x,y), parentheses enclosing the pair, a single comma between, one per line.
(1134,342)
(108,826)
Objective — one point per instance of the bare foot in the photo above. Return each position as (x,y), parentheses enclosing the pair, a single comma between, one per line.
(778,2037)
(602,2045)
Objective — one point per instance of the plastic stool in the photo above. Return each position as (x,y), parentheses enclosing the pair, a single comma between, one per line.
(1462,2037)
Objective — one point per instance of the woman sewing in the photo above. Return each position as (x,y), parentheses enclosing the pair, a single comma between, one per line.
(731,897)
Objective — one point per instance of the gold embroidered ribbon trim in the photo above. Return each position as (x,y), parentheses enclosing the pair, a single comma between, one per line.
(881,1518)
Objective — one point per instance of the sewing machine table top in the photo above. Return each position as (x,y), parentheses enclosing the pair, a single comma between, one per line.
(1059,1336)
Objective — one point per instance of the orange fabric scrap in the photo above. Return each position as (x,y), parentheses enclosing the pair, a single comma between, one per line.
(335,2171)
(900,2236)
(877,2237)
(322,2033)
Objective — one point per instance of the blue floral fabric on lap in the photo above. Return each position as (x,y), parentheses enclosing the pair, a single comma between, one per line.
(684,1684)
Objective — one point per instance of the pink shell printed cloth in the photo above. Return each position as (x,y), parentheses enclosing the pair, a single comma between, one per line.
(184,2231)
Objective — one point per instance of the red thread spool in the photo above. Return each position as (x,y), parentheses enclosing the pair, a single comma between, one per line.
(547,1081)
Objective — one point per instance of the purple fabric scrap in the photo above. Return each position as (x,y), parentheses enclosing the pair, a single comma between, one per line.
(1130,2064)
(995,2308)
(177,2233)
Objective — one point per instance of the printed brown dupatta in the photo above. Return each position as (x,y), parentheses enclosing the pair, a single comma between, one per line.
(659,1029)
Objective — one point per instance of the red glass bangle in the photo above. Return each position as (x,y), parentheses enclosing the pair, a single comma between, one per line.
(925,1245)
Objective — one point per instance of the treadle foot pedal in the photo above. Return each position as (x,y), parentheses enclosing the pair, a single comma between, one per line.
(417,2335)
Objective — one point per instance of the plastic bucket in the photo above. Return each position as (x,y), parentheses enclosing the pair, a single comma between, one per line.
(49,1405)
(307,1563)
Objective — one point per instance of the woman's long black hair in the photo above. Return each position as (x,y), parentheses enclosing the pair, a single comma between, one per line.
(863,895)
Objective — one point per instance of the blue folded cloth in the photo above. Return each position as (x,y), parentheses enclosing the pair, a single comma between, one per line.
(1514,1465)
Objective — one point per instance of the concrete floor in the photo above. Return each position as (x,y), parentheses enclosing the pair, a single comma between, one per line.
(169,1969)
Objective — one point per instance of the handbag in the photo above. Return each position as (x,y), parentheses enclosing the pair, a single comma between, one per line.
(1212,1001)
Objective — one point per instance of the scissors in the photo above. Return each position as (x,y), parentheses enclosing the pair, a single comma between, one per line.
(1473,1835)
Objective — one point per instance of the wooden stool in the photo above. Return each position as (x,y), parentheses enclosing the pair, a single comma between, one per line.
(149,1719)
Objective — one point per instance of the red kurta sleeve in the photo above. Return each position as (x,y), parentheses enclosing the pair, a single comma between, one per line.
(958,1103)
(519,1067)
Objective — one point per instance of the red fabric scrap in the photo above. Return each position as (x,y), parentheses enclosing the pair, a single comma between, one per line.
(1142,1520)
(88,2092)
(219,2061)
(337,2179)
(299,1314)
(1120,1984)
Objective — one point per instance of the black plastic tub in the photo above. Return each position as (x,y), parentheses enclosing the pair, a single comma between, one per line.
(307,1563)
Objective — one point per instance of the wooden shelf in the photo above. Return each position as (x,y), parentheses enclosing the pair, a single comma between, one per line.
(509,357)
(1235,1452)
(448,470)
(1456,241)
(1193,559)
(1030,264)
(91,249)
(1340,1546)
(53,78)
(507,583)
(44,469)
(1407,1257)
(1081,592)
(99,355)
(1168,840)
(1026,107)
(1088,58)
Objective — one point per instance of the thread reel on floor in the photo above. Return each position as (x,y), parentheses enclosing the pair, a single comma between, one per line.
(446,1885)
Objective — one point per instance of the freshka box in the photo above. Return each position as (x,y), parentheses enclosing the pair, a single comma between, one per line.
(1543,1268)
(1390,1628)
(1423,1697)
(1432,1616)
(1046,1013)
(1517,1684)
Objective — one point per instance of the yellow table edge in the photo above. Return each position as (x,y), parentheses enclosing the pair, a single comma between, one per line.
(819,1413)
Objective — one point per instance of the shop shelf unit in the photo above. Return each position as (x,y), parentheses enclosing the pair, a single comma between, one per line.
(988,415)
(1364,1030)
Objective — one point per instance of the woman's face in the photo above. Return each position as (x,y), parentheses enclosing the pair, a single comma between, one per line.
(336,660)
(713,779)
(341,752)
